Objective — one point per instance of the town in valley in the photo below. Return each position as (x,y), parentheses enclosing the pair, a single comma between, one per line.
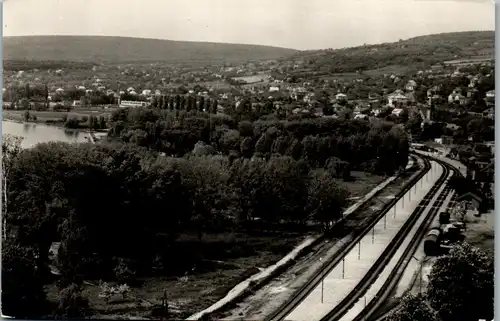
(182,180)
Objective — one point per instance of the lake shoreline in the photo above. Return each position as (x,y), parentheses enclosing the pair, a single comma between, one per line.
(47,122)
(33,133)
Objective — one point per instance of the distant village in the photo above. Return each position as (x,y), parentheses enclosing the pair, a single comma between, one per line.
(459,87)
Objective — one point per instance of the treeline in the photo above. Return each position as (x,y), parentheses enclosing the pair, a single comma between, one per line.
(118,211)
(373,147)
(91,122)
(185,102)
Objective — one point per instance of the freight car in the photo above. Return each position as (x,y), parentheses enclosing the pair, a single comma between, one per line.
(432,242)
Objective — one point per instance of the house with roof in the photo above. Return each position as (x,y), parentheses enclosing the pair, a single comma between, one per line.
(397,112)
(411,85)
(433,91)
(341,97)
(471,199)
(457,97)
(361,116)
(490,94)
(473,82)
(397,97)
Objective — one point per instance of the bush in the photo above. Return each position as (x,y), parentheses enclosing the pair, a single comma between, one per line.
(71,302)
(123,272)
(22,288)
(72,123)
(338,168)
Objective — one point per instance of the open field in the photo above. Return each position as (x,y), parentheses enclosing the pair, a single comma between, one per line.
(202,286)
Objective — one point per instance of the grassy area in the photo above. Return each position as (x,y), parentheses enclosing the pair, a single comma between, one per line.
(228,259)
(362,183)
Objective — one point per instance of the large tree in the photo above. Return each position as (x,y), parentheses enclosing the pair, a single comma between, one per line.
(413,308)
(461,285)
(11,147)
(22,288)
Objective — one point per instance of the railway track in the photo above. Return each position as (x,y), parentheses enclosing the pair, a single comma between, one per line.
(372,275)
(370,311)
(309,286)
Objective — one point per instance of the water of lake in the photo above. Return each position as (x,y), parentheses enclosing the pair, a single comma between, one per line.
(39,133)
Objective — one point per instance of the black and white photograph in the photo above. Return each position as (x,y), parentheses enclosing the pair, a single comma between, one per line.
(285,160)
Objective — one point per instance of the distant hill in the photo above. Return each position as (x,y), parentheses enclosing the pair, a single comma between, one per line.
(421,51)
(126,49)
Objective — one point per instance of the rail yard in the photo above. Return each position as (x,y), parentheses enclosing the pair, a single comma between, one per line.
(378,257)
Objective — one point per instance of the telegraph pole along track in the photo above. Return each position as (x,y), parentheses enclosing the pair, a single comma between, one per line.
(339,258)
(262,299)
(384,275)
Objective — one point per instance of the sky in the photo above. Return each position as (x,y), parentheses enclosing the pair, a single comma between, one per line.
(298,24)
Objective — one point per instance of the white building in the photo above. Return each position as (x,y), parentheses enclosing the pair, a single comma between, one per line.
(132,104)
(397,112)
(397,97)
(341,96)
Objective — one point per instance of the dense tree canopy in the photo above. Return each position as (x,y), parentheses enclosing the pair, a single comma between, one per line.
(376,147)
(413,308)
(461,285)
(112,200)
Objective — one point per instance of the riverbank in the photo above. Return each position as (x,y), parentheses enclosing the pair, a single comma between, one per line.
(36,133)
(54,118)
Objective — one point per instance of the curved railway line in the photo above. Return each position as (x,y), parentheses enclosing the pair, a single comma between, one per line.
(309,286)
(395,274)
(435,196)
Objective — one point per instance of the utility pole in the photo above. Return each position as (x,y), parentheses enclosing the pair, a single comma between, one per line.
(165,304)
(343,267)
(322,289)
